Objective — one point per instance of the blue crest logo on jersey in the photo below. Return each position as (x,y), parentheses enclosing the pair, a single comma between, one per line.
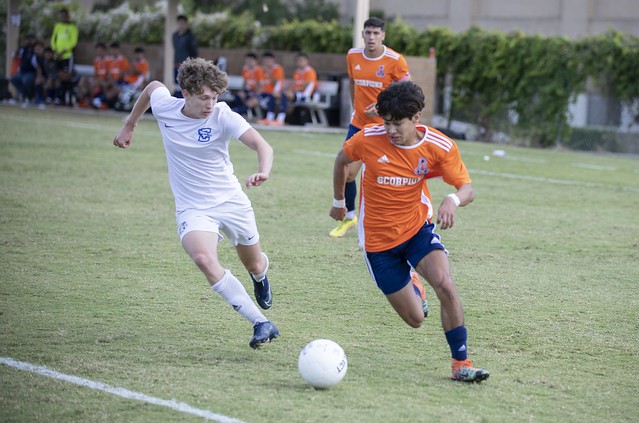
(204,134)
(422,167)
(380,71)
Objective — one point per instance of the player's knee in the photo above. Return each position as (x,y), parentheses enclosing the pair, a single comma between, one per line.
(415,322)
(204,261)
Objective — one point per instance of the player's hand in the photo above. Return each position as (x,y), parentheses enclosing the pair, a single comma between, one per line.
(446,213)
(123,138)
(371,110)
(256,179)
(337,213)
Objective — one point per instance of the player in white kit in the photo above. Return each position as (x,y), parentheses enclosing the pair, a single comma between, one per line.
(209,200)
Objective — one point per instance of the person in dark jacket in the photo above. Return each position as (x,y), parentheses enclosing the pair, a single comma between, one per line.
(184,46)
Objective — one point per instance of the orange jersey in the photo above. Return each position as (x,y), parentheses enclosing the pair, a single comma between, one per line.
(370,77)
(394,200)
(117,67)
(252,77)
(305,80)
(101,67)
(273,79)
(139,74)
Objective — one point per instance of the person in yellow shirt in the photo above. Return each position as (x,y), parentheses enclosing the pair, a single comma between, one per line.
(63,40)
(397,217)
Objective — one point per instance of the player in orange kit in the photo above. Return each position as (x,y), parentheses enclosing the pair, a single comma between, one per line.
(396,212)
(370,69)
(272,91)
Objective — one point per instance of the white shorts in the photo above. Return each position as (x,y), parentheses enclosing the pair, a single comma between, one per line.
(235,218)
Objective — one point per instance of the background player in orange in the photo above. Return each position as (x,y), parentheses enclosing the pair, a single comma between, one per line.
(370,69)
(253,74)
(304,82)
(395,231)
(272,91)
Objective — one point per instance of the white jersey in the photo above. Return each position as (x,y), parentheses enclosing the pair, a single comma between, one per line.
(200,170)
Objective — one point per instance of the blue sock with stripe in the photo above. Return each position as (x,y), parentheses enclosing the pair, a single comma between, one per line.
(457,341)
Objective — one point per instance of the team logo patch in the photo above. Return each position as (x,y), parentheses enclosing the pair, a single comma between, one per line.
(380,71)
(204,134)
(422,167)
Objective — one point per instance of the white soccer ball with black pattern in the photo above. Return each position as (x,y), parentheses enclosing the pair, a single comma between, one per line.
(322,363)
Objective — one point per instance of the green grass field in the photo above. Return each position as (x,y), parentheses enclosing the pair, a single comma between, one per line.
(94,284)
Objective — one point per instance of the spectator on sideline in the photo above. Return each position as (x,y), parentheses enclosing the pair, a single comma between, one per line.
(252,75)
(118,66)
(396,230)
(63,40)
(95,86)
(209,200)
(272,91)
(24,79)
(184,46)
(135,79)
(304,83)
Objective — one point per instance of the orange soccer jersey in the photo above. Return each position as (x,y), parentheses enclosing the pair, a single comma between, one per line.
(252,77)
(101,67)
(273,79)
(370,77)
(305,80)
(395,201)
(139,74)
(118,65)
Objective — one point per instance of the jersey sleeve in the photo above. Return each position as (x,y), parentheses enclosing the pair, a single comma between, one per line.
(160,99)
(452,168)
(354,146)
(233,123)
(401,70)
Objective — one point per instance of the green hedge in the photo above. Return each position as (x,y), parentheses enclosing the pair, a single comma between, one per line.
(494,74)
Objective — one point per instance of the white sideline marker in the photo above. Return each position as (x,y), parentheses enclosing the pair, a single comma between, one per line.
(121,392)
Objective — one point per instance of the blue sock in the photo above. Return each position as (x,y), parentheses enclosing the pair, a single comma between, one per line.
(350,192)
(457,341)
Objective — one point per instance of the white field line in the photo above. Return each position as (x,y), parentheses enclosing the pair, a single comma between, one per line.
(553,181)
(593,167)
(121,392)
(510,175)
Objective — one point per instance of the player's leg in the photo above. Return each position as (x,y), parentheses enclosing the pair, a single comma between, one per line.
(435,268)
(391,273)
(407,305)
(257,264)
(199,237)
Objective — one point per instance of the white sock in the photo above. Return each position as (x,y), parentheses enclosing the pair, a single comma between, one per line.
(281,117)
(350,215)
(260,276)
(270,115)
(235,294)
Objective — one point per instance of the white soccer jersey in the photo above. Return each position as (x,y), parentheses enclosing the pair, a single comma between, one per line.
(200,170)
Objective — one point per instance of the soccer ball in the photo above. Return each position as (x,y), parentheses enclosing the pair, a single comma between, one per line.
(322,363)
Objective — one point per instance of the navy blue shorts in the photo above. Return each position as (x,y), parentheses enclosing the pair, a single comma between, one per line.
(390,269)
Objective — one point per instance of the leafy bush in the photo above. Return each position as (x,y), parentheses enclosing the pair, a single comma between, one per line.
(309,36)
(222,30)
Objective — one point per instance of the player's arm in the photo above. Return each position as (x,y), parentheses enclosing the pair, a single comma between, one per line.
(253,140)
(340,173)
(142,104)
(446,212)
